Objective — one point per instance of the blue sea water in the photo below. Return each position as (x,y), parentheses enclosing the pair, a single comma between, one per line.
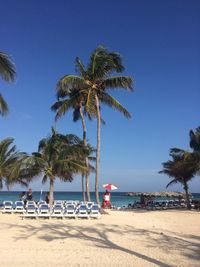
(117,198)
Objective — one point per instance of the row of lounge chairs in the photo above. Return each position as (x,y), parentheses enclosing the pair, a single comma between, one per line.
(160,205)
(60,209)
(166,204)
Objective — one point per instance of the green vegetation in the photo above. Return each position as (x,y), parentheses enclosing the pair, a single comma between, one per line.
(182,168)
(59,156)
(184,165)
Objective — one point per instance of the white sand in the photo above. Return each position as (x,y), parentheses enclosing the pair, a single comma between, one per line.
(158,238)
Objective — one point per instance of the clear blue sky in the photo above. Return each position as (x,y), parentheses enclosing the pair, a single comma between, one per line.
(160,44)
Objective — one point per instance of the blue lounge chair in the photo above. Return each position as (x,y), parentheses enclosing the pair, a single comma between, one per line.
(44,211)
(95,211)
(70,211)
(82,211)
(7,207)
(19,207)
(31,210)
(57,211)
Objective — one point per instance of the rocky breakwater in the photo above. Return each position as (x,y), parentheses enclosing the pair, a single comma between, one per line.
(157,194)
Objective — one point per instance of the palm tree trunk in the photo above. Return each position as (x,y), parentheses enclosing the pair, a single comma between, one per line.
(83,189)
(98,150)
(87,187)
(86,160)
(187,195)
(51,190)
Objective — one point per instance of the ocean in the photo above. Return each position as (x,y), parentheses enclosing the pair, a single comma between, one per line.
(117,198)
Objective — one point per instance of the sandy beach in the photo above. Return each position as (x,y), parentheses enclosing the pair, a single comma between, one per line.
(121,238)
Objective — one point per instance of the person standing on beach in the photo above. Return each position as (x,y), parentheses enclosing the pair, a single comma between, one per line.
(29,195)
(106,200)
(47,198)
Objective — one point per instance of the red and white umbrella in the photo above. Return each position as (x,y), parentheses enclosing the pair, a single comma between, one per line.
(110,186)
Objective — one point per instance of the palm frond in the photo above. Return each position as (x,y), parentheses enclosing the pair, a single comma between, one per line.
(44,179)
(174,181)
(3,106)
(42,144)
(115,82)
(76,114)
(102,63)
(195,140)
(80,68)
(68,83)
(176,150)
(4,145)
(90,105)
(11,182)
(113,103)
(7,68)
(62,107)
(117,62)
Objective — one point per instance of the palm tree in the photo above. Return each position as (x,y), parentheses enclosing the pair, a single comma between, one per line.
(93,83)
(182,168)
(7,73)
(10,161)
(59,156)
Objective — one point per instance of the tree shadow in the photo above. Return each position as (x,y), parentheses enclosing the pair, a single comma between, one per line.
(188,245)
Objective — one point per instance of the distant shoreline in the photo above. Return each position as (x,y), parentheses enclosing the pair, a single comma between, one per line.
(125,193)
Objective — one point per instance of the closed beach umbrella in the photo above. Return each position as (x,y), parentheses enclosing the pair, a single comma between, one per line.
(110,186)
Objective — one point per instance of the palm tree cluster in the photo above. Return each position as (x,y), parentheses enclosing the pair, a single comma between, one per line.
(59,155)
(184,165)
(63,156)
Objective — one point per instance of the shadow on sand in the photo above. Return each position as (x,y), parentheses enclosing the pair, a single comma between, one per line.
(187,245)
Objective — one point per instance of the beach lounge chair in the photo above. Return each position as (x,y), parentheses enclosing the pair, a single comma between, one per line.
(19,207)
(58,202)
(82,211)
(44,211)
(95,211)
(41,202)
(75,202)
(69,202)
(164,204)
(89,205)
(182,203)
(70,211)
(30,203)
(57,211)
(31,210)
(176,204)
(7,207)
(171,204)
(158,205)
